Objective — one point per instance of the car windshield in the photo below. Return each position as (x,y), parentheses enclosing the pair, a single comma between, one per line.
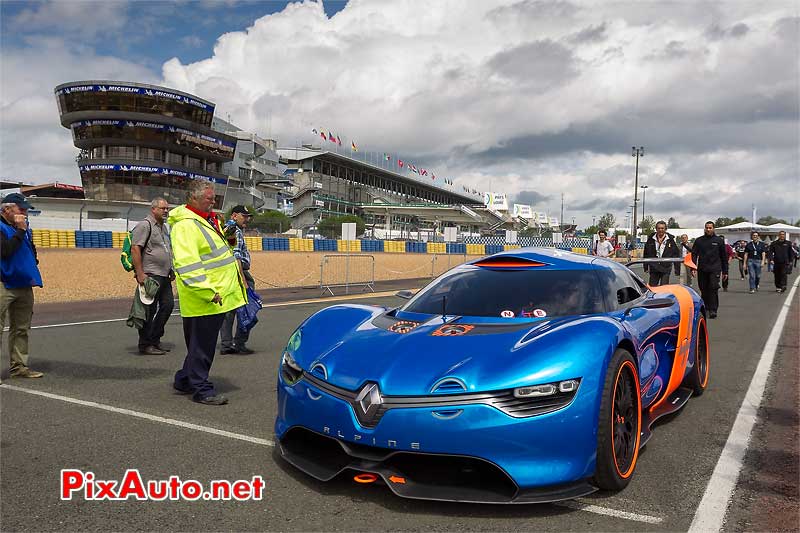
(528,293)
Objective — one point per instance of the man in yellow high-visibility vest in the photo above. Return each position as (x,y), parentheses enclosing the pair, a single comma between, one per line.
(209,285)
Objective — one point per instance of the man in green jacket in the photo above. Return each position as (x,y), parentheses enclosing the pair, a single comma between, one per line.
(209,285)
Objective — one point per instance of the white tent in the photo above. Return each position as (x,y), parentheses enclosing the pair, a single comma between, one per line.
(783,227)
(743,226)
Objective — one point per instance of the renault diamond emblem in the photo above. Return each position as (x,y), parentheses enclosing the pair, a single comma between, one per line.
(367,402)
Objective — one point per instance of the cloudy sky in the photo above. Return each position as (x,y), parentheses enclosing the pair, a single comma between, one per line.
(532,98)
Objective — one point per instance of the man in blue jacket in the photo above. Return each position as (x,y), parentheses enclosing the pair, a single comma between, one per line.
(19,274)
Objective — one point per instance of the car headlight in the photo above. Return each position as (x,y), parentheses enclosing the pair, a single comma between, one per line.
(294,341)
(291,372)
(547,389)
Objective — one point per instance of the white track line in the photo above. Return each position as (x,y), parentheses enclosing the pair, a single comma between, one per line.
(596,509)
(277,304)
(577,505)
(710,515)
(145,416)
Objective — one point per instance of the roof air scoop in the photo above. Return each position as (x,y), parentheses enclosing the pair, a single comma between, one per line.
(508,261)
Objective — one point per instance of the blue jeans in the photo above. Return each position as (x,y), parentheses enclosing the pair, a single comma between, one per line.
(754,272)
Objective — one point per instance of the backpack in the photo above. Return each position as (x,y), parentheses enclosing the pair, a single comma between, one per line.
(125,257)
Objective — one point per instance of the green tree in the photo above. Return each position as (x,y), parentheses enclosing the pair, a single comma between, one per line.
(591,230)
(648,225)
(271,222)
(607,221)
(672,224)
(725,221)
(331,228)
(769,220)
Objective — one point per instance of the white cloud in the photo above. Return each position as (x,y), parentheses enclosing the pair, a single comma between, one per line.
(580,81)
(527,95)
(191,41)
(84,17)
(33,144)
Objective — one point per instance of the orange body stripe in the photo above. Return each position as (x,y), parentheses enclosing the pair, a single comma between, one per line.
(685,327)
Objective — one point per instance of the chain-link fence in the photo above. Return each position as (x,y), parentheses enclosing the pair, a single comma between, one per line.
(441,263)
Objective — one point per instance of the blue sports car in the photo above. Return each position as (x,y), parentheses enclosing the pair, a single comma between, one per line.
(532,375)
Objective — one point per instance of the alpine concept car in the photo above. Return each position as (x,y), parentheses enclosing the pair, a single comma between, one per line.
(532,375)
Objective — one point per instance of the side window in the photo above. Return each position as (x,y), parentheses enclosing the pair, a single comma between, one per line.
(620,286)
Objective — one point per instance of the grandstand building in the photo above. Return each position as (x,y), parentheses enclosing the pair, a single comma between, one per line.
(393,204)
(139,141)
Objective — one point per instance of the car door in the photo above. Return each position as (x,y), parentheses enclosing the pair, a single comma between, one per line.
(654,332)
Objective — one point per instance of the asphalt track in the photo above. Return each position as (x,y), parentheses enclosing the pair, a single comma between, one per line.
(128,416)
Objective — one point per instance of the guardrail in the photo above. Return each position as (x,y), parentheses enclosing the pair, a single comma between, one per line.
(347,270)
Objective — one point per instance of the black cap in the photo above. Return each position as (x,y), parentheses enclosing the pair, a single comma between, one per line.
(240,209)
(17,198)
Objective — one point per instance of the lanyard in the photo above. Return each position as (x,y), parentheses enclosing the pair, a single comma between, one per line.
(660,246)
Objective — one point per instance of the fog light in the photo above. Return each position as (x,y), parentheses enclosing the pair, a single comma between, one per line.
(547,389)
(536,390)
(570,385)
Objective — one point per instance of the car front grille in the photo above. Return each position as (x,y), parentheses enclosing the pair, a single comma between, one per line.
(503,400)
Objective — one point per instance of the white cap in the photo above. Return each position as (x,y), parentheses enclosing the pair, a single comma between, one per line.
(143,296)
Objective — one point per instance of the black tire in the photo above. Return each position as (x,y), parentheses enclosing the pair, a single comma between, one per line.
(620,423)
(697,379)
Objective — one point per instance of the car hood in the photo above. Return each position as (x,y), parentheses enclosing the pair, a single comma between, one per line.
(351,345)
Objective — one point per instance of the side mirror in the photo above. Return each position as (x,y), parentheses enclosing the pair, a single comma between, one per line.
(406,295)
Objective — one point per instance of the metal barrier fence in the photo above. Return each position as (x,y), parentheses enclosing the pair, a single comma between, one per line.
(347,270)
(441,263)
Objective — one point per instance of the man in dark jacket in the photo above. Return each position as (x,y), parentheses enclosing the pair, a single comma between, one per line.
(19,275)
(781,255)
(709,254)
(661,244)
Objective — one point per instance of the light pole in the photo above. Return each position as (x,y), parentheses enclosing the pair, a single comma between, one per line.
(632,217)
(644,198)
(637,153)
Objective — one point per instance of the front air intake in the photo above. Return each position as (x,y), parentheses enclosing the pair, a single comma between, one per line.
(449,386)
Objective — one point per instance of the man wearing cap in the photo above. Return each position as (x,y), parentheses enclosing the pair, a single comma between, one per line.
(240,217)
(152,258)
(19,273)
